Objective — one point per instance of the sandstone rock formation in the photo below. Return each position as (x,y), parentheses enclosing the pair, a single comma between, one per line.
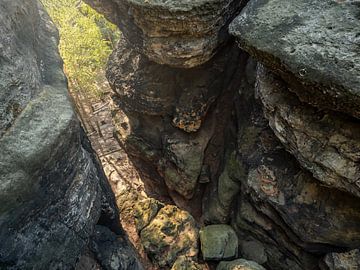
(277,162)
(307,97)
(326,143)
(170,234)
(176,33)
(52,189)
(347,260)
(161,103)
(312,45)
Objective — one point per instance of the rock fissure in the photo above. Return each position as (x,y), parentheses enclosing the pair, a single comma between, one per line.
(230,140)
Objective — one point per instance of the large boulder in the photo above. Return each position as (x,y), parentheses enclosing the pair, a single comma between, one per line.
(218,242)
(176,33)
(312,45)
(52,189)
(170,234)
(239,264)
(170,117)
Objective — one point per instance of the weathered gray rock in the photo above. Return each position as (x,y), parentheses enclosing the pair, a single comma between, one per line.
(254,251)
(152,89)
(275,206)
(295,197)
(176,33)
(218,242)
(219,199)
(218,208)
(279,200)
(257,145)
(239,264)
(161,103)
(52,190)
(324,142)
(342,261)
(312,45)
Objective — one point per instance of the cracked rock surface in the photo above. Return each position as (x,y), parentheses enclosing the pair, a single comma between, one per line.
(176,33)
(326,143)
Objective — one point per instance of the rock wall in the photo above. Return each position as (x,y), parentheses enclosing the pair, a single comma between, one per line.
(52,190)
(263,137)
(268,142)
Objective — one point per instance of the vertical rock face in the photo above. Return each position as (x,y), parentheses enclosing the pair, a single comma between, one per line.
(304,130)
(168,111)
(176,33)
(52,190)
(307,82)
(313,45)
(272,151)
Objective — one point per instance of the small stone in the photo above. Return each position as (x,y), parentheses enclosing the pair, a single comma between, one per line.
(218,242)
(239,264)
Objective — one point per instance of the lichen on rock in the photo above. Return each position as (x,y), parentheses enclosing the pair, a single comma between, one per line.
(170,234)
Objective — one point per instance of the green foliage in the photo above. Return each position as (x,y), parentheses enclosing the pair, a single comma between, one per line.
(86,40)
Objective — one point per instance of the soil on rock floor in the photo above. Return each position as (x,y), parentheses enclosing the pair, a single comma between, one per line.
(125,182)
(128,186)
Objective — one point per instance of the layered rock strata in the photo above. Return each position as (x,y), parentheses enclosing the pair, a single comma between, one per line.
(307,82)
(279,161)
(176,33)
(167,109)
(52,189)
(326,143)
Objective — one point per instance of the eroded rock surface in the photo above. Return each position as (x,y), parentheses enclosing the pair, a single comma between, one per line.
(52,189)
(341,261)
(175,33)
(170,234)
(218,242)
(312,45)
(162,102)
(292,213)
(186,263)
(113,251)
(326,143)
